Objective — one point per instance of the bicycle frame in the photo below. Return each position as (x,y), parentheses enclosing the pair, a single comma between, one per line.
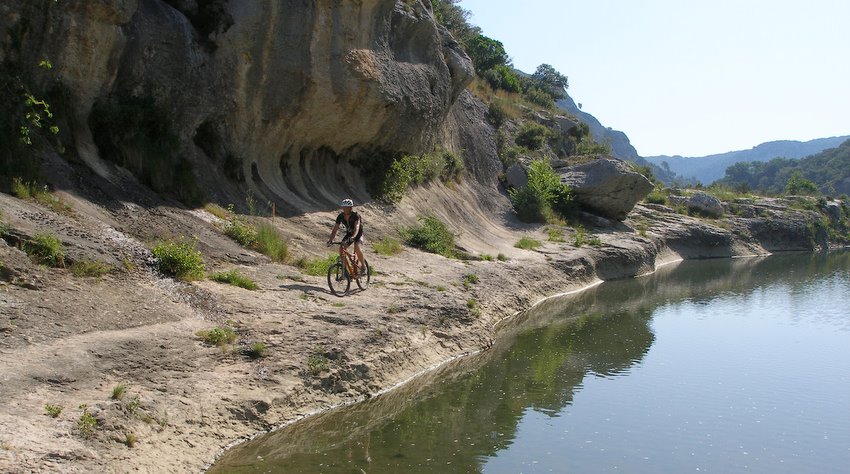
(348,262)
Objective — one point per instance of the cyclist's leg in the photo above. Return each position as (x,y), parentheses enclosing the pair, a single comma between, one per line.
(358,250)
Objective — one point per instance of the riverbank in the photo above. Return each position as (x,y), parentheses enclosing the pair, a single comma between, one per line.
(72,342)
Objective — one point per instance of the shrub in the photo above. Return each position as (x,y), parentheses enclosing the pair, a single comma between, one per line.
(180,260)
(590,147)
(539,97)
(255,351)
(271,243)
(130,439)
(387,246)
(87,424)
(656,196)
(431,235)
(390,176)
(53,410)
(543,196)
(45,249)
(502,257)
(240,231)
(317,266)
(218,336)
(532,136)
(317,361)
(555,234)
(233,277)
(90,268)
(527,243)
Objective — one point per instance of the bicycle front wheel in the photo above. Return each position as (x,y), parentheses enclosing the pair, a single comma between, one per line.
(363,279)
(338,280)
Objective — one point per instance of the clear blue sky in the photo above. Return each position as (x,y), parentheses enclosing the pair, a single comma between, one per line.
(689,78)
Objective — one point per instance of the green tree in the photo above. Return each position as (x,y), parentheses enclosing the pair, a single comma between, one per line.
(552,81)
(797,184)
(486,53)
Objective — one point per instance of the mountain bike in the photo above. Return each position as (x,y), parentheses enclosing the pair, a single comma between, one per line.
(345,269)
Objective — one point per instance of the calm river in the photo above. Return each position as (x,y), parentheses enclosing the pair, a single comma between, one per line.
(721,366)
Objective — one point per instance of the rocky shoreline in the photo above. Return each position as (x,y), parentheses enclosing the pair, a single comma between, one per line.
(69,341)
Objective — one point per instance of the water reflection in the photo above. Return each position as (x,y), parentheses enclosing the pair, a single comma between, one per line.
(457,418)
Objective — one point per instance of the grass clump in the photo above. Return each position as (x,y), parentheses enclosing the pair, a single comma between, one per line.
(90,268)
(486,257)
(119,391)
(502,257)
(233,277)
(218,336)
(582,238)
(217,211)
(555,234)
(473,307)
(45,249)
(527,243)
(387,246)
(316,266)
(470,279)
(180,260)
(130,439)
(256,350)
(53,411)
(431,235)
(41,194)
(271,244)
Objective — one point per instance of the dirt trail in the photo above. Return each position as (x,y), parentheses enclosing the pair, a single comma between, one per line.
(70,341)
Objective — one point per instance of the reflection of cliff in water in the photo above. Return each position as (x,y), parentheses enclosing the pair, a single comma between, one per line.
(453,419)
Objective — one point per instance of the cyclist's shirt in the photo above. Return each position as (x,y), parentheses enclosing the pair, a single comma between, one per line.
(353,219)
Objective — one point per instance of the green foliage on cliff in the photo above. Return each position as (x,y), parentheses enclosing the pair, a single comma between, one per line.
(828,171)
(389,177)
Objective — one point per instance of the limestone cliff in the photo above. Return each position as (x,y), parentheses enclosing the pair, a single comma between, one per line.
(282,95)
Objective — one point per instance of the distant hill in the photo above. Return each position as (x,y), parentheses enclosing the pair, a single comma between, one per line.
(707,169)
(829,170)
(621,147)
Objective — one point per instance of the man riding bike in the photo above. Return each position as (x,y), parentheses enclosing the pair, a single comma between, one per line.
(353,231)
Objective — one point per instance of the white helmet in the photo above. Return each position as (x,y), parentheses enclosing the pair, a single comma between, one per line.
(346,203)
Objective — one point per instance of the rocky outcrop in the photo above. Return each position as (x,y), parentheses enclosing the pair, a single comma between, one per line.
(606,186)
(282,93)
(701,203)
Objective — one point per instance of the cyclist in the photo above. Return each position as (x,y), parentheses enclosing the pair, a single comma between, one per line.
(353,231)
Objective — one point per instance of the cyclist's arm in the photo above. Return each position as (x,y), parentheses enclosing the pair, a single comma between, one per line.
(333,233)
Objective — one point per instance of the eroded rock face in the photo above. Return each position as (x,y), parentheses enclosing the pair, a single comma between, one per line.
(606,186)
(286,90)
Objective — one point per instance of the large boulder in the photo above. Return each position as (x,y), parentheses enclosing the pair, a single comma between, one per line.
(699,202)
(606,186)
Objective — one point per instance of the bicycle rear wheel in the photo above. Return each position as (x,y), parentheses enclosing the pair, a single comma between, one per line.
(363,280)
(338,280)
